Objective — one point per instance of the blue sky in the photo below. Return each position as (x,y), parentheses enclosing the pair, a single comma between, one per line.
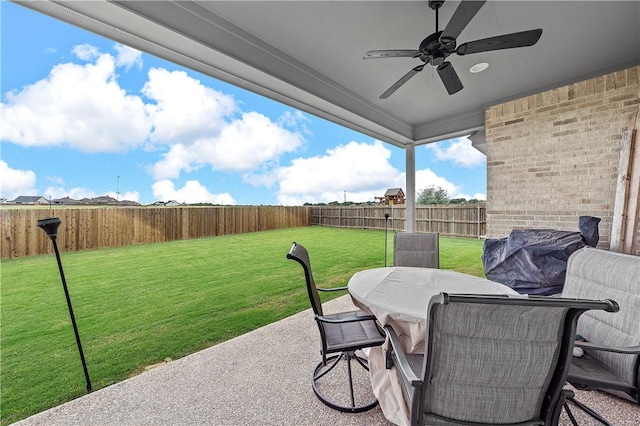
(83,116)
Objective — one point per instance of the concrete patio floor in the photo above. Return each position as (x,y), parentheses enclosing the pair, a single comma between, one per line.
(260,378)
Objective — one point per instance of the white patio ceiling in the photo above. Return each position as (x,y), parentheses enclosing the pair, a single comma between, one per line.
(308,54)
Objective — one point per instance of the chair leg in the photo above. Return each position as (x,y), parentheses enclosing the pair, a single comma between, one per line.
(570,414)
(586,409)
(318,373)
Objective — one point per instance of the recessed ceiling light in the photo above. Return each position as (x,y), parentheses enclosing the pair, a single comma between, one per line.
(479,67)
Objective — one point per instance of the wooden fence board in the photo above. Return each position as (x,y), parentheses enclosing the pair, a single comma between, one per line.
(92,228)
(463,220)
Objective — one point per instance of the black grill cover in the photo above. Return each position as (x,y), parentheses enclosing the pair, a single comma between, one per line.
(534,261)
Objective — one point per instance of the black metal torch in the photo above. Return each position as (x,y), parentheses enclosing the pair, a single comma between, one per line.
(50,227)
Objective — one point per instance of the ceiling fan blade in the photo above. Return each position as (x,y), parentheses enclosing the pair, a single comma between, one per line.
(392,53)
(505,41)
(460,19)
(402,81)
(449,78)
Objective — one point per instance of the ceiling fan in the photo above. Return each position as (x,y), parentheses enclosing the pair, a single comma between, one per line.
(435,49)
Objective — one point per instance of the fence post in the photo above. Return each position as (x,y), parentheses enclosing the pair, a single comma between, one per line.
(478,217)
(393,218)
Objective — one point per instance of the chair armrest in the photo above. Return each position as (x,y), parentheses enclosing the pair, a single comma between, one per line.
(616,349)
(401,363)
(332,289)
(354,318)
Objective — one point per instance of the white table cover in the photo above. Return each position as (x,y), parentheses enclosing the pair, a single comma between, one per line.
(399,296)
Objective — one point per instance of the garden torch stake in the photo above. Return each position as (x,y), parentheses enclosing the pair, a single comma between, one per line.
(50,227)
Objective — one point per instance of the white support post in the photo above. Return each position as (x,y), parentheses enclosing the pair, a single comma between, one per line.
(410,152)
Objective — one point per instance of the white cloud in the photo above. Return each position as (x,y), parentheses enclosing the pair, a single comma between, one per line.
(176,160)
(14,183)
(128,196)
(127,56)
(57,189)
(55,180)
(192,192)
(81,106)
(248,142)
(295,120)
(76,193)
(86,52)
(459,151)
(241,145)
(362,170)
(199,125)
(184,109)
(426,178)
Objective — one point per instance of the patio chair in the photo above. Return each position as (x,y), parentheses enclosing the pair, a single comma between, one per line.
(416,249)
(490,359)
(341,334)
(611,360)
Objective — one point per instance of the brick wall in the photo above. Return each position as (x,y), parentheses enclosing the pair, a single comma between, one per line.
(554,156)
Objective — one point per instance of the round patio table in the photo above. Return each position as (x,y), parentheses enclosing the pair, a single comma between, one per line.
(399,296)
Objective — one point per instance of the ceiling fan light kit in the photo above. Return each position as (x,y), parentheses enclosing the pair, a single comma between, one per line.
(479,67)
(437,47)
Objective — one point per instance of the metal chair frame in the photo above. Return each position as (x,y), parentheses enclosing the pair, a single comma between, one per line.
(611,359)
(346,350)
(588,374)
(416,381)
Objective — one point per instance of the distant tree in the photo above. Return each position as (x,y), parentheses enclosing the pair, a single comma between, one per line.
(433,195)
(458,200)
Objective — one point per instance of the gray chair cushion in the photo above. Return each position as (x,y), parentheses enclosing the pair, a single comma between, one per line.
(347,335)
(416,249)
(492,364)
(599,274)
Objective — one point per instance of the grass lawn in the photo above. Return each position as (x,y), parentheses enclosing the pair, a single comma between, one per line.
(136,306)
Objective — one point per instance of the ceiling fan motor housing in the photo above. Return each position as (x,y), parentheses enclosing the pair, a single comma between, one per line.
(433,51)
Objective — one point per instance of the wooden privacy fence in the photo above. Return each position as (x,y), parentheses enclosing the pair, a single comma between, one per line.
(459,220)
(93,228)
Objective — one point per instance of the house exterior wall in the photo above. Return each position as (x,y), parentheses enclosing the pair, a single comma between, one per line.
(554,156)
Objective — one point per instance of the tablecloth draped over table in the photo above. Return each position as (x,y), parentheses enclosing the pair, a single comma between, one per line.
(386,387)
(399,296)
